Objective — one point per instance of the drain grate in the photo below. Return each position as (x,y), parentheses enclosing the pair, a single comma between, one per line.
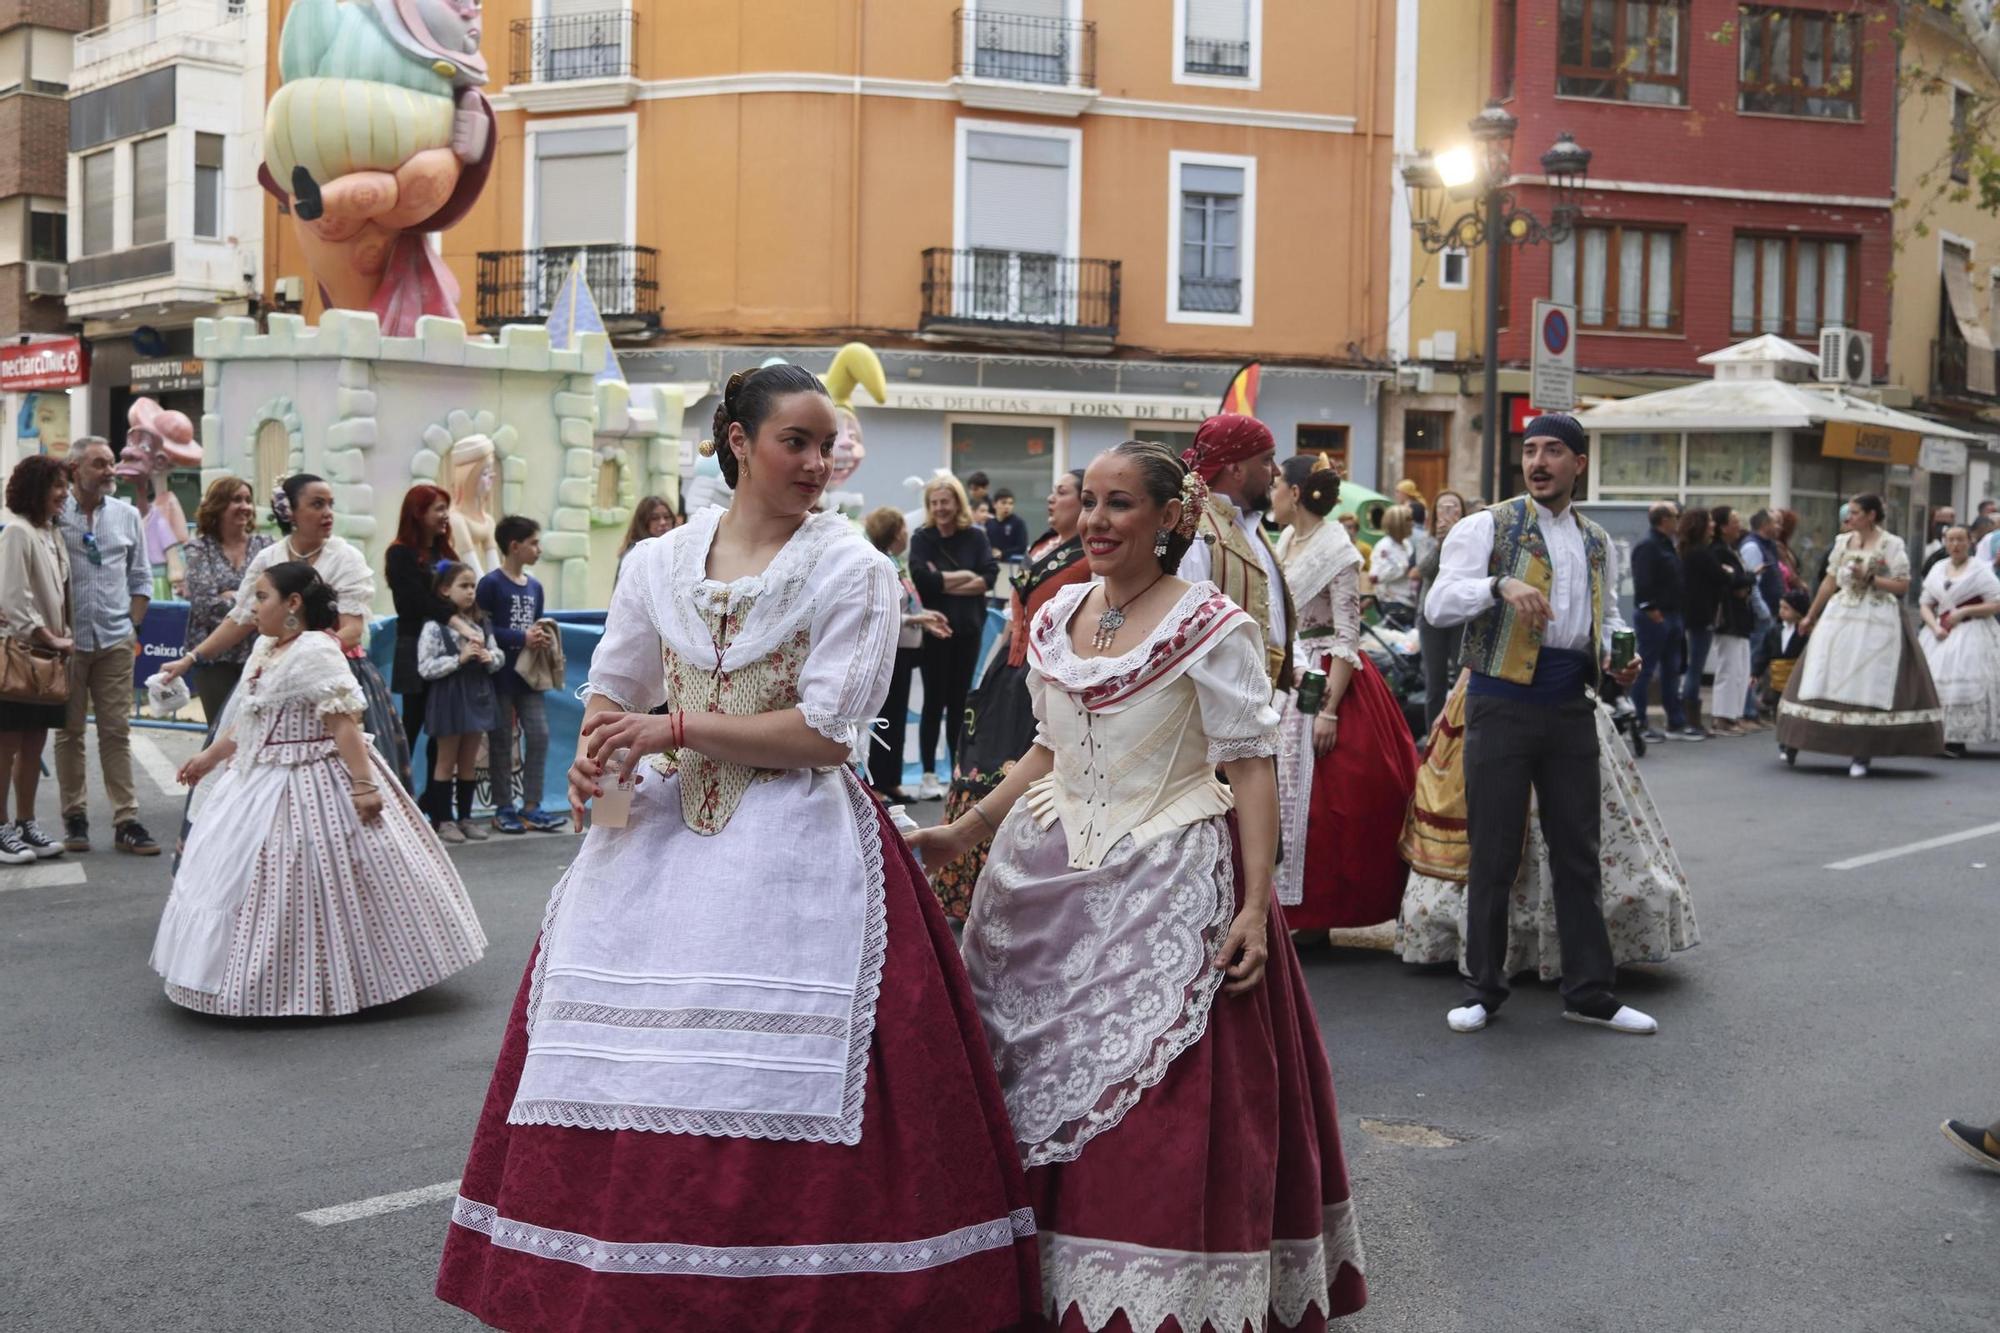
(1410,1134)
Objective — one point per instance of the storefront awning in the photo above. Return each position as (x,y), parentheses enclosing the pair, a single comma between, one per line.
(1754,405)
(1978,346)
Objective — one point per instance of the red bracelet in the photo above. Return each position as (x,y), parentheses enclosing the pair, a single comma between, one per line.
(680,729)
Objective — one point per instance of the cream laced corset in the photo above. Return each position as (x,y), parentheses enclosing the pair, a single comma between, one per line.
(281,706)
(1136,737)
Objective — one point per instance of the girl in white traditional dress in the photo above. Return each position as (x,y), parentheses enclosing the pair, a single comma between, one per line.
(1961,641)
(311,885)
(1168,1085)
(1863,688)
(743,1086)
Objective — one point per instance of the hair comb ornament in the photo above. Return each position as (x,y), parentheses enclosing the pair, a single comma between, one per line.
(1325,464)
(281,506)
(1194,499)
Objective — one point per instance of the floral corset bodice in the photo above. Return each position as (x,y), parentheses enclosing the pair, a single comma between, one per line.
(711,789)
(292,733)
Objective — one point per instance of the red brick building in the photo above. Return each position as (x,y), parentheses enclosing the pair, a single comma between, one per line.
(1742,172)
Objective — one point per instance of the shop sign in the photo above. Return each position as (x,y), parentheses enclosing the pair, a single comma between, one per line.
(1870,444)
(1942,457)
(1042,403)
(57,363)
(176,375)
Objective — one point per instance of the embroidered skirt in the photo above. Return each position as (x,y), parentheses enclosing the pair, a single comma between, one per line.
(924,1224)
(1848,657)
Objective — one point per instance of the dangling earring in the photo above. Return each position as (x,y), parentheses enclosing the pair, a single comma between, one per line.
(292,623)
(1160,544)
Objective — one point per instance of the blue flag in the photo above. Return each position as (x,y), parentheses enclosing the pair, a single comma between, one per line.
(574,313)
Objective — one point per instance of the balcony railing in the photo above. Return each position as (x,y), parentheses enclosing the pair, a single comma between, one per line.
(1212,296)
(180,24)
(520,286)
(1022,296)
(1026,48)
(1213,55)
(574,46)
(1950,362)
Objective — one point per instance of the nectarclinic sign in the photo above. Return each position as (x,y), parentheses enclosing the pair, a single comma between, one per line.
(57,363)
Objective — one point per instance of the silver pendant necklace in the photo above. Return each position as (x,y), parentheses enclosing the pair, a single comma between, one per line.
(1113,618)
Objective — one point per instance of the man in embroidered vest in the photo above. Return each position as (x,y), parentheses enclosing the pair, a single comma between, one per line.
(1237,457)
(1531,581)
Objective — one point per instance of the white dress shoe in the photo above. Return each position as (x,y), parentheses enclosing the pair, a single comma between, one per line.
(1627,1020)
(1467,1018)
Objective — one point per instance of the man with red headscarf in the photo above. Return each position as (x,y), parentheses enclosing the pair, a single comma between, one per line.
(1237,457)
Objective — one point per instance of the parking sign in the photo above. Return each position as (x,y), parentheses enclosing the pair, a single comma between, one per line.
(1554,387)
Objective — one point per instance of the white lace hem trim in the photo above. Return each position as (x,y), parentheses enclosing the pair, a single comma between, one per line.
(1227,1291)
(657,1258)
(1245,747)
(839,730)
(1861,717)
(844,1128)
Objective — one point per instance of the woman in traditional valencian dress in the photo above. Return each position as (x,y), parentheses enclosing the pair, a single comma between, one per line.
(1863,688)
(1169,1090)
(743,1086)
(311,885)
(1647,907)
(1961,641)
(1346,773)
(1000,719)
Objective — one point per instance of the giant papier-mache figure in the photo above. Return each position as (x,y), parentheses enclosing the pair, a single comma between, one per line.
(378,135)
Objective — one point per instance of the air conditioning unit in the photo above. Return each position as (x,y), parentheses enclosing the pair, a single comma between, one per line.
(1846,356)
(1445,342)
(48,279)
(291,289)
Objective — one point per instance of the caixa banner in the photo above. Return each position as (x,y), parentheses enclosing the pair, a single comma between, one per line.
(54,363)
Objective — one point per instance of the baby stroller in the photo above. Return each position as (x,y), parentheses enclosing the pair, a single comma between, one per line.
(1396,655)
(1624,715)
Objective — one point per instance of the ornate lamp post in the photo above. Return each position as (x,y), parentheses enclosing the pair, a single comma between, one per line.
(1479,174)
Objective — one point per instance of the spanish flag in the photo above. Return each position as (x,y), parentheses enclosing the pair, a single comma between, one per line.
(1241,395)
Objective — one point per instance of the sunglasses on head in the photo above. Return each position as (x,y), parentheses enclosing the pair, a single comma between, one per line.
(90,551)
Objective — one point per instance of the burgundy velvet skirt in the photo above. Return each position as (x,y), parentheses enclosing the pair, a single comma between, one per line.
(924,1224)
(1354,869)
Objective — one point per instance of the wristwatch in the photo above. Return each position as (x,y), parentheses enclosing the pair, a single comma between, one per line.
(1498,579)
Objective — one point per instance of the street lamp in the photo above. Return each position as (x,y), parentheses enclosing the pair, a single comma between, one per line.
(1480,172)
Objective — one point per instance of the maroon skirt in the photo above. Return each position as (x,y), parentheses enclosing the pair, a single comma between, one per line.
(1354,869)
(924,1224)
(1232,1163)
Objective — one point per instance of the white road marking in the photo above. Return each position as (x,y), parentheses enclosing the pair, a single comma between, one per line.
(159,768)
(1911,848)
(381,1203)
(41,875)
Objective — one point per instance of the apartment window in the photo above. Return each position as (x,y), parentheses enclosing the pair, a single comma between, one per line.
(1016,223)
(149,191)
(1623,50)
(1328,440)
(1214,225)
(1798,63)
(1965,351)
(1961,136)
(1217,39)
(99,181)
(1454,270)
(1791,285)
(208,185)
(48,236)
(1505,19)
(1619,278)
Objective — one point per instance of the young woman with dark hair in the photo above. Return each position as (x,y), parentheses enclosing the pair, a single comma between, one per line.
(34,610)
(746,1034)
(423,542)
(309,886)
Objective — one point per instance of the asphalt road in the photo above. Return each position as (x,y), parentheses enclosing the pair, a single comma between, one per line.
(1769,1162)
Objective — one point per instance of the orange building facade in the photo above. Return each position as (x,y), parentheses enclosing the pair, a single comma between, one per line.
(1061,222)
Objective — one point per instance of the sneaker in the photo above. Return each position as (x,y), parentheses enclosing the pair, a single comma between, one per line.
(541,821)
(38,842)
(1624,1019)
(14,852)
(131,836)
(1468,1018)
(508,820)
(473,832)
(76,833)
(1690,733)
(1974,1142)
(1858,769)
(449,831)
(929,790)
(1653,737)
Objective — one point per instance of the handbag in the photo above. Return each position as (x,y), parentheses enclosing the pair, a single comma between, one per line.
(543,668)
(34,675)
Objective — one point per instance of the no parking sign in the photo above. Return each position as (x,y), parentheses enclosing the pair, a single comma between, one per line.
(1554,388)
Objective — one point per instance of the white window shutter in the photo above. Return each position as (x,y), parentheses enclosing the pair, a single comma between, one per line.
(1017,194)
(1218,20)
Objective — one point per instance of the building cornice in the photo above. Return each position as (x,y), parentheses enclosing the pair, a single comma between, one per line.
(538,97)
(1720,192)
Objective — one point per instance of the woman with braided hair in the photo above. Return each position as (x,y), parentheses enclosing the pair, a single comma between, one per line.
(1166,1080)
(743,1085)
(1347,769)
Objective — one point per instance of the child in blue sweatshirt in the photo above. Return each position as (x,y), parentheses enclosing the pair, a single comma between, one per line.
(512,600)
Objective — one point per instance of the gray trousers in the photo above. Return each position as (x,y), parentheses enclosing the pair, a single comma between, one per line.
(1511,749)
(533,713)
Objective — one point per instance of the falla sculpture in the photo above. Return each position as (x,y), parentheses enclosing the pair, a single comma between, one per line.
(379,134)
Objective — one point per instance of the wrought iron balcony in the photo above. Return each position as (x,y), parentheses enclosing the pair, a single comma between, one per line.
(1214,56)
(573,46)
(1027,48)
(520,286)
(1950,362)
(1017,297)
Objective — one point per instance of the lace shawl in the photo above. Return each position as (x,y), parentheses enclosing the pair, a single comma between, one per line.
(1311,562)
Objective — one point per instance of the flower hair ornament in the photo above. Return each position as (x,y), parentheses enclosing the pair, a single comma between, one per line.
(281,506)
(1194,500)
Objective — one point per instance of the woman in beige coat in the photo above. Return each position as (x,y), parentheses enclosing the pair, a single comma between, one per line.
(34,605)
